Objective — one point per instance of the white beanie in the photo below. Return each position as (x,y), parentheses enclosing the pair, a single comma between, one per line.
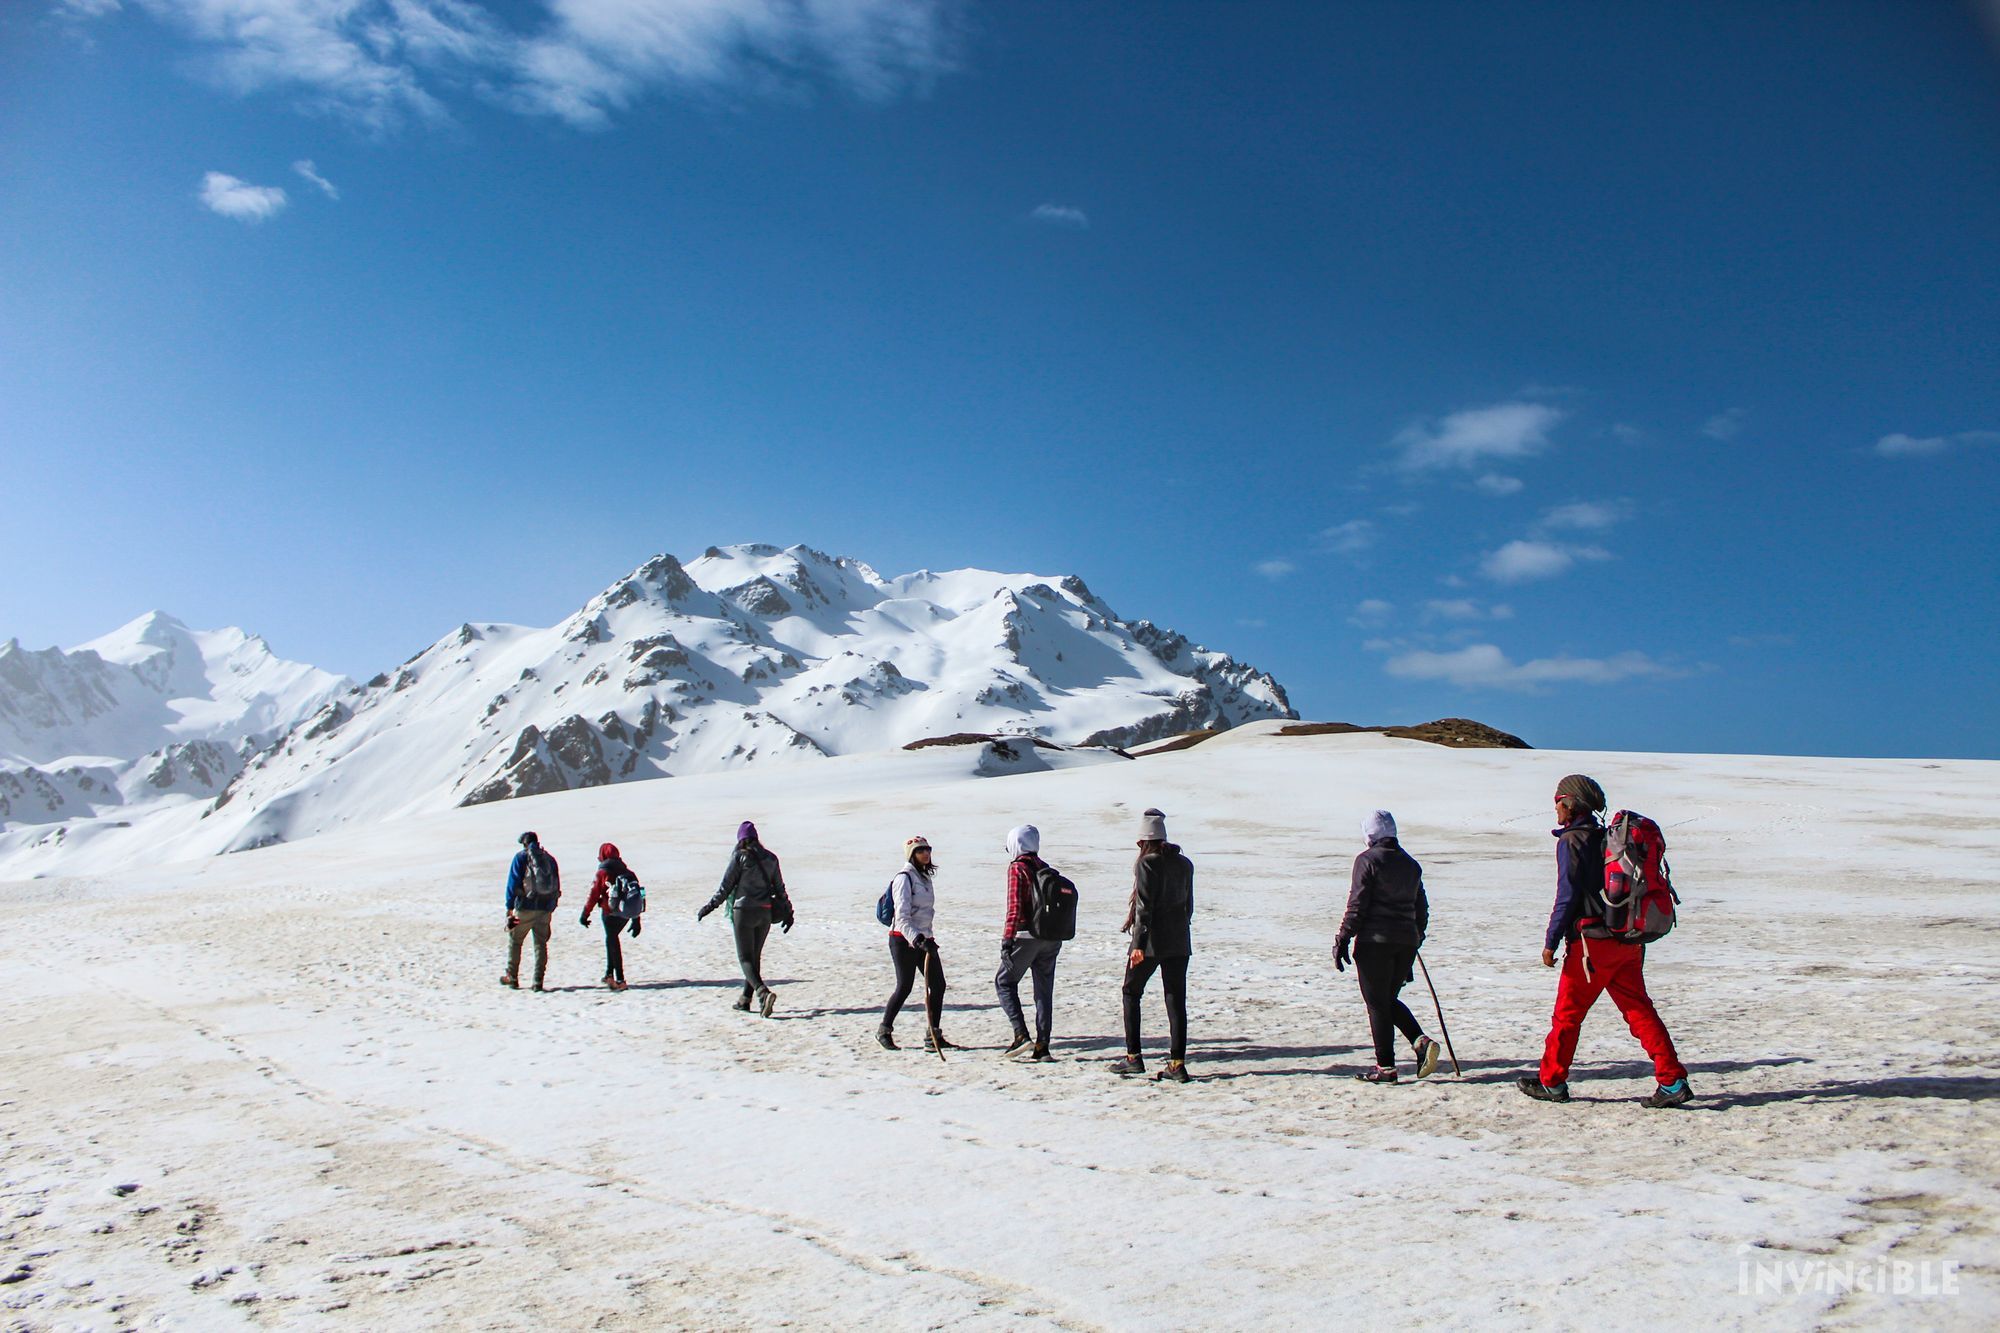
(1152,826)
(1023,840)
(1381,824)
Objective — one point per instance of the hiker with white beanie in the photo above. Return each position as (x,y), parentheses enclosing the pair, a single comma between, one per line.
(1384,925)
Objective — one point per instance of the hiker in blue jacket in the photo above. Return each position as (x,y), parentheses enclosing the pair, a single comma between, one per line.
(534,886)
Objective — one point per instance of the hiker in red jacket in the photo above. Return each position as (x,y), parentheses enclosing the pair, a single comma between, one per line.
(610,869)
(1590,967)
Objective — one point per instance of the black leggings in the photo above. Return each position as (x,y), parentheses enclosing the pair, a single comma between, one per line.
(614,957)
(1382,969)
(1173,979)
(909,961)
(753,927)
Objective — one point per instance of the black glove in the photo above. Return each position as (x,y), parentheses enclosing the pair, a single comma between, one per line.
(786,925)
(583,919)
(1340,958)
(701,912)
(636,923)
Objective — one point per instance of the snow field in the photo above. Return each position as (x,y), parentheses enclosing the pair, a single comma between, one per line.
(335,1118)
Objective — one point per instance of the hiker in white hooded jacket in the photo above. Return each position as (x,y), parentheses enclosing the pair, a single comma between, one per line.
(913,946)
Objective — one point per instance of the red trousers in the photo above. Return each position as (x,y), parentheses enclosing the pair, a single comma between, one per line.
(1620,969)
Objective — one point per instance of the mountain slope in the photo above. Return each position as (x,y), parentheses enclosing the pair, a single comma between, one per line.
(749,655)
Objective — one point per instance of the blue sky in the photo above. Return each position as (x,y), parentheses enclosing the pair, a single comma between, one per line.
(1625,376)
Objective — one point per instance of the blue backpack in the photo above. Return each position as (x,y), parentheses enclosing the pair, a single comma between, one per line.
(885,906)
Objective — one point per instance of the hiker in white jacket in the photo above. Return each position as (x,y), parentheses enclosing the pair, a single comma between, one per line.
(912,945)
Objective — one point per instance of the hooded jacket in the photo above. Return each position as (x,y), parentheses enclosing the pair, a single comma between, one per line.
(754,879)
(1020,883)
(1161,916)
(1579,876)
(915,902)
(1385,897)
(609,867)
(517,899)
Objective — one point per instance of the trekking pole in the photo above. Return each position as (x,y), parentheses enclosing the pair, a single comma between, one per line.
(1456,1071)
(937,1042)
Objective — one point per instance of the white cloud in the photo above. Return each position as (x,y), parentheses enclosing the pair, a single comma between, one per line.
(1493,483)
(304,167)
(241,200)
(1274,569)
(1062,215)
(385,62)
(1483,666)
(1583,516)
(1373,611)
(1349,538)
(1726,425)
(1464,608)
(1465,439)
(86,9)
(1524,561)
(1625,433)
(1910,446)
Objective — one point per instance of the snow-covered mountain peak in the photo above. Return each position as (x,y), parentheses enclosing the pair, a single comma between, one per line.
(746,655)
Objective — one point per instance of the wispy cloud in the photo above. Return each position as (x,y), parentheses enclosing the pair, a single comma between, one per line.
(1527,561)
(1726,425)
(1464,608)
(1469,438)
(1372,612)
(233,198)
(1915,446)
(1350,538)
(1583,516)
(1274,569)
(1483,666)
(304,167)
(1062,215)
(1494,483)
(383,63)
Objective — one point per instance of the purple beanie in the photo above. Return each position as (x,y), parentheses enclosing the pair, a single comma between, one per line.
(746,832)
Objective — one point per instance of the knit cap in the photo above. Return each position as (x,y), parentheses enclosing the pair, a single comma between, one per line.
(1584,791)
(1152,826)
(1381,824)
(746,832)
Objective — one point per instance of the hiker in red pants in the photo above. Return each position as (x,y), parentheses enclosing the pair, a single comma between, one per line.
(1591,967)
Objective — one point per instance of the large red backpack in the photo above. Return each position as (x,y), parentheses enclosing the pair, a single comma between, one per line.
(1637,902)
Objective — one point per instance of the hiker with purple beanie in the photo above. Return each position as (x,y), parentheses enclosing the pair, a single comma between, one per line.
(754,888)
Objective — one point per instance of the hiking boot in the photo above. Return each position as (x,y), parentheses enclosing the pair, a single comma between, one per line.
(509,979)
(1129,1065)
(1676,1093)
(1427,1057)
(618,984)
(942,1043)
(1022,1041)
(1041,1055)
(1175,1072)
(606,978)
(1379,1074)
(768,1003)
(742,1004)
(1535,1088)
(885,1038)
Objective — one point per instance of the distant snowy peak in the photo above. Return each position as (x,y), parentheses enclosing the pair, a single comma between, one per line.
(148,685)
(747,655)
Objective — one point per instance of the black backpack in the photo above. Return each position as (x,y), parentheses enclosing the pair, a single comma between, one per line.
(538,882)
(1051,904)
